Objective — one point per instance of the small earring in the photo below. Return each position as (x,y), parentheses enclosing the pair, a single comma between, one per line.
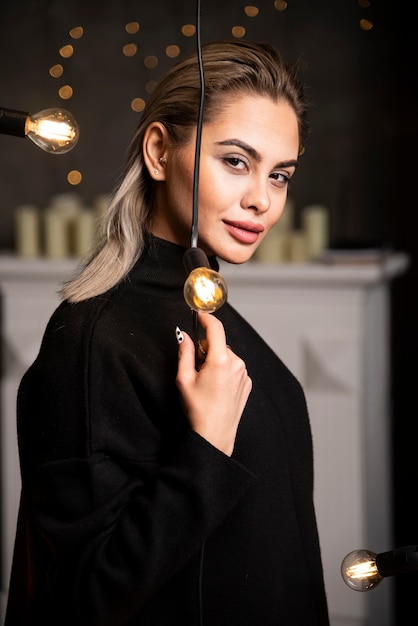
(156,172)
(162,160)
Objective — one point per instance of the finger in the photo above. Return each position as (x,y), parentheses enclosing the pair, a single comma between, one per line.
(215,333)
(186,353)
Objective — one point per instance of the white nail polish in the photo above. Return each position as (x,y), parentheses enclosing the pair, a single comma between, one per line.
(179,335)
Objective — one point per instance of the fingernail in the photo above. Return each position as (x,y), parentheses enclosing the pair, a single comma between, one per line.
(179,335)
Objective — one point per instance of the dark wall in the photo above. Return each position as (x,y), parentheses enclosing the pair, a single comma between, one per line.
(360,161)
(347,164)
(403,80)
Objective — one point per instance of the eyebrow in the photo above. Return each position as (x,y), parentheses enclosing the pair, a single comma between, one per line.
(253,153)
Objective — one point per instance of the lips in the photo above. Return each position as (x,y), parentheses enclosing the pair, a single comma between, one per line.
(244,232)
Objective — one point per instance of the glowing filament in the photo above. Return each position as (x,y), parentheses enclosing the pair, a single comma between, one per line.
(362,570)
(58,131)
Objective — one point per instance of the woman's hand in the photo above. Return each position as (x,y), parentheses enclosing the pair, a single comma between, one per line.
(213,397)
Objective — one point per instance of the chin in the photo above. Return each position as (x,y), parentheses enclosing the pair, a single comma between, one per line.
(236,259)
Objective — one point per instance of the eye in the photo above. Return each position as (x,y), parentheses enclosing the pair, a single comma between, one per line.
(280,178)
(235,162)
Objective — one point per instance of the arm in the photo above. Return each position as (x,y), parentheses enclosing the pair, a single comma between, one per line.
(116,516)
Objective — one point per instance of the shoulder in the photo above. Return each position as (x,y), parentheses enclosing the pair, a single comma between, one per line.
(71,322)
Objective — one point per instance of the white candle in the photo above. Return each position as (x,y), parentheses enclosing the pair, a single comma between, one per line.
(27,231)
(56,234)
(298,250)
(84,226)
(274,248)
(69,202)
(100,204)
(286,221)
(316,228)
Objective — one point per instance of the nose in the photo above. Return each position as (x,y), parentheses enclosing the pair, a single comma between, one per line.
(256,196)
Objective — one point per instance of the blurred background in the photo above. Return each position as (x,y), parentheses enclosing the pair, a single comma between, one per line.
(358,61)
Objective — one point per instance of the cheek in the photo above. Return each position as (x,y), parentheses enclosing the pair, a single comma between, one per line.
(180,186)
(217,192)
(209,197)
(184,174)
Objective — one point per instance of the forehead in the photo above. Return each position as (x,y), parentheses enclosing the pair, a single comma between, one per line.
(258,120)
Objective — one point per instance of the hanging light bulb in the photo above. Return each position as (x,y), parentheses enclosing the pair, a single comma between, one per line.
(363,570)
(359,570)
(204,289)
(54,130)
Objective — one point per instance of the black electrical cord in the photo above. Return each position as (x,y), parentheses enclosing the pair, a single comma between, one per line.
(194,238)
(195,258)
(195,209)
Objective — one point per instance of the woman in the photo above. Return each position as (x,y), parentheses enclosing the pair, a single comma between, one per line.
(155,493)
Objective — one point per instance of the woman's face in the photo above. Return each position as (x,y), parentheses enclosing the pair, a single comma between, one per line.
(248,155)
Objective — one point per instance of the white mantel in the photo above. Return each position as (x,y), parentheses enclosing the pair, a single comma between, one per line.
(330,325)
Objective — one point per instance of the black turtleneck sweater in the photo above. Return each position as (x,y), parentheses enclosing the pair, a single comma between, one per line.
(127,516)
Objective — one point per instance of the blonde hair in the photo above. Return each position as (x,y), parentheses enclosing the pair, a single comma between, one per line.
(229,67)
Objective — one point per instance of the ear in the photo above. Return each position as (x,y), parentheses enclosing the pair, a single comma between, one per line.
(154,147)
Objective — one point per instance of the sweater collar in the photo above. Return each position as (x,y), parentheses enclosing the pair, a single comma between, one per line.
(162,262)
